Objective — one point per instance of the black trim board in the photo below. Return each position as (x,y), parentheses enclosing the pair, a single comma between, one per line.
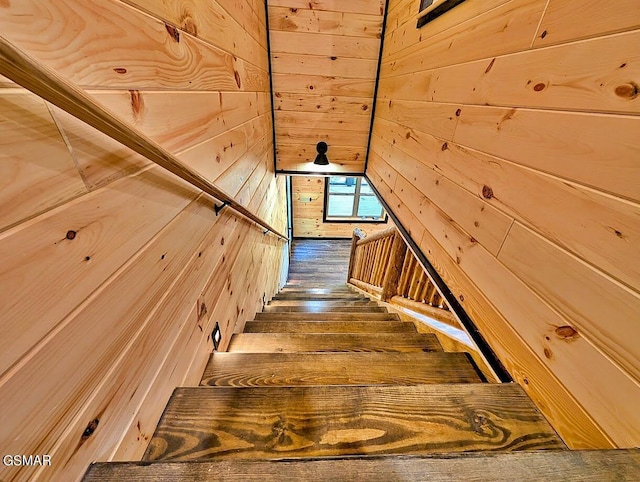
(321,238)
(289,188)
(319,174)
(273,107)
(375,87)
(489,355)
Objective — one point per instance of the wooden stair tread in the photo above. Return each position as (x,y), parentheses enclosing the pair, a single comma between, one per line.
(328,316)
(312,369)
(325,309)
(533,466)
(333,342)
(332,289)
(207,423)
(328,327)
(319,303)
(329,296)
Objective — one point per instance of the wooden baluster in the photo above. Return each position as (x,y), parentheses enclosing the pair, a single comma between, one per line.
(437,300)
(403,273)
(421,279)
(377,261)
(408,271)
(413,284)
(397,255)
(382,262)
(366,259)
(357,263)
(386,253)
(370,262)
(424,290)
(428,297)
(363,262)
(433,299)
(415,278)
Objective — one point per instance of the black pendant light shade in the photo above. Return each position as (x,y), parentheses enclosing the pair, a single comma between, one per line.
(321,158)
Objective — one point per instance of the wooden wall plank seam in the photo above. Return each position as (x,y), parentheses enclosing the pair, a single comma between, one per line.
(325,21)
(324,45)
(27,188)
(603,229)
(99,159)
(596,150)
(482,221)
(370,7)
(209,22)
(215,155)
(195,116)
(506,28)
(580,293)
(107,43)
(591,75)
(565,20)
(87,241)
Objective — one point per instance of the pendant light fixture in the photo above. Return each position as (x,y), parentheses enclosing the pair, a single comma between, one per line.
(321,158)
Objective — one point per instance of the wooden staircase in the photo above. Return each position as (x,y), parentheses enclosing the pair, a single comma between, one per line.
(326,385)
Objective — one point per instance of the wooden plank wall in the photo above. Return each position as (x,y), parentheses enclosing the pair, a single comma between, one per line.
(506,138)
(307,216)
(324,57)
(114,273)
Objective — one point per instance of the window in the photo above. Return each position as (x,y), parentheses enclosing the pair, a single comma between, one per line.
(349,199)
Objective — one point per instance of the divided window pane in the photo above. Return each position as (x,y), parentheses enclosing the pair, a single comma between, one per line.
(351,199)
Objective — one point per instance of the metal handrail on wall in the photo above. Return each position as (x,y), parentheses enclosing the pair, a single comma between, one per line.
(48,84)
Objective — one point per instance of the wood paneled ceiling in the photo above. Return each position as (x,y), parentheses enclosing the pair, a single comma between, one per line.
(324,59)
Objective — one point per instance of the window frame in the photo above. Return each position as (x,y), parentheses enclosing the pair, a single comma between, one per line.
(356,204)
(434,9)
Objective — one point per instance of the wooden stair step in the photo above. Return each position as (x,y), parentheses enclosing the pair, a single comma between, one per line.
(328,316)
(335,289)
(333,342)
(325,309)
(533,466)
(320,303)
(328,296)
(275,422)
(314,278)
(308,283)
(328,327)
(311,369)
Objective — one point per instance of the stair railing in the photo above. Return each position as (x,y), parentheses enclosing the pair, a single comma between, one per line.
(49,85)
(384,267)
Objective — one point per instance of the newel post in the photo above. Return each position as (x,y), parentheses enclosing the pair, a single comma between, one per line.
(394,267)
(357,235)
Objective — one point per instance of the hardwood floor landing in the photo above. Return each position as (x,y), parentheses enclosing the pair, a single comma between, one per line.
(319,262)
